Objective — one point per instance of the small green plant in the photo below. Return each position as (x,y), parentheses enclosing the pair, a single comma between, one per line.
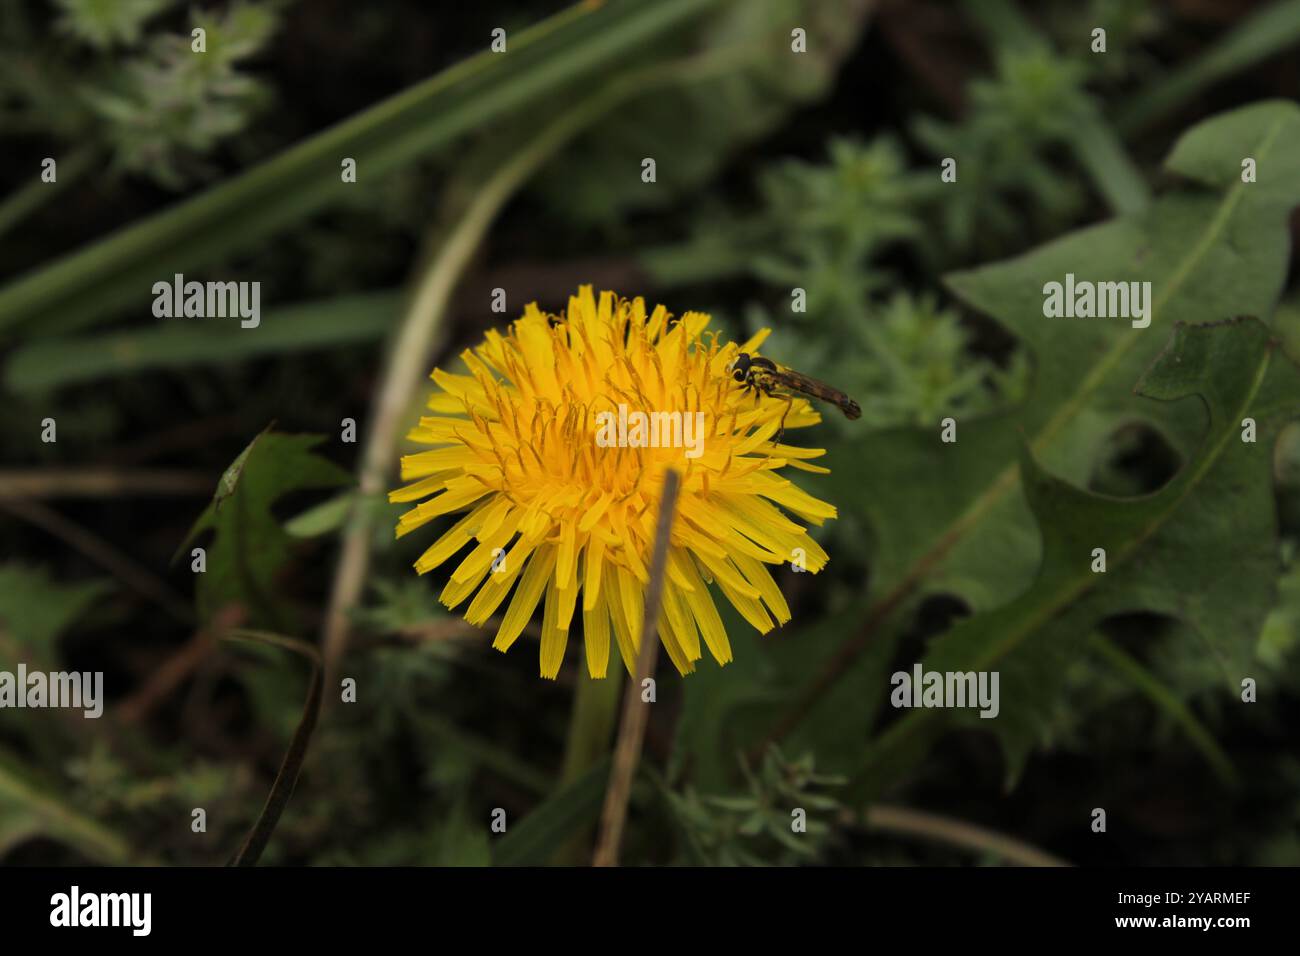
(784,812)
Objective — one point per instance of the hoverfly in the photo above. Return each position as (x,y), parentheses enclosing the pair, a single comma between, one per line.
(765,376)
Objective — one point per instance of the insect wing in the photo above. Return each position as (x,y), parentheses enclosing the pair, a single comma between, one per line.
(806,385)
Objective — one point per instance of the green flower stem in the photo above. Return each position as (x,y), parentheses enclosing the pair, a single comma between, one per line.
(591,731)
(423,321)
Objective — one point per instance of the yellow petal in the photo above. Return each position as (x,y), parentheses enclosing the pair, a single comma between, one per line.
(526,597)
(707,619)
(595,632)
(554,637)
(593,559)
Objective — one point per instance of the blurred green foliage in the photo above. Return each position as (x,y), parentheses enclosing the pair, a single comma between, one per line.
(1005,145)
(169,106)
(145,98)
(781,817)
(817,175)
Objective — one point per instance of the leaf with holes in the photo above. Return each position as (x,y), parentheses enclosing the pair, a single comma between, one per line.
(953,518)
(1201,549)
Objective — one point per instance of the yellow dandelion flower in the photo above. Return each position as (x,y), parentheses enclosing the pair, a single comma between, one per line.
(556,443)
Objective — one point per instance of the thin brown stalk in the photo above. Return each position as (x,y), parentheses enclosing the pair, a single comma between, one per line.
(420,331)
(636,712)
(424,320)
(134,575)
(102,483)
(174,671)
(968,836)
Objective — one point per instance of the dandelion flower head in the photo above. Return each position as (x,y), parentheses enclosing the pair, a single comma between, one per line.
(555,515)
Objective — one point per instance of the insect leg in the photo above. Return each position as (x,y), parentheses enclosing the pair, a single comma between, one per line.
(789,404)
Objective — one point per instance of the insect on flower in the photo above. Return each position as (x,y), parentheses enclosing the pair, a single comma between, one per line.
(765,376)
(552,514)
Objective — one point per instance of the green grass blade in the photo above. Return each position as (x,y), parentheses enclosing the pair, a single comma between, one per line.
(250,851)
(533,840)
(119,270)
(53,363)
(1262,35)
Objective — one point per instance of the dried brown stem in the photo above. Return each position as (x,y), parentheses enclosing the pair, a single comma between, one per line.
(940,829)
(424,319)
(176,669)
(636,712)
(419,332)
(102,483)
(131,573)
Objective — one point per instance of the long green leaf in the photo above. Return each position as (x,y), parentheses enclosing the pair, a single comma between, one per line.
(533,840)
(120,269)
(250,851)
(1258,37)
(52,363)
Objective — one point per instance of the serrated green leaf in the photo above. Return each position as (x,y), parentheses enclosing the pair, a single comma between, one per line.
(250,546)
(1201,549)
(229,480)
(953,518)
